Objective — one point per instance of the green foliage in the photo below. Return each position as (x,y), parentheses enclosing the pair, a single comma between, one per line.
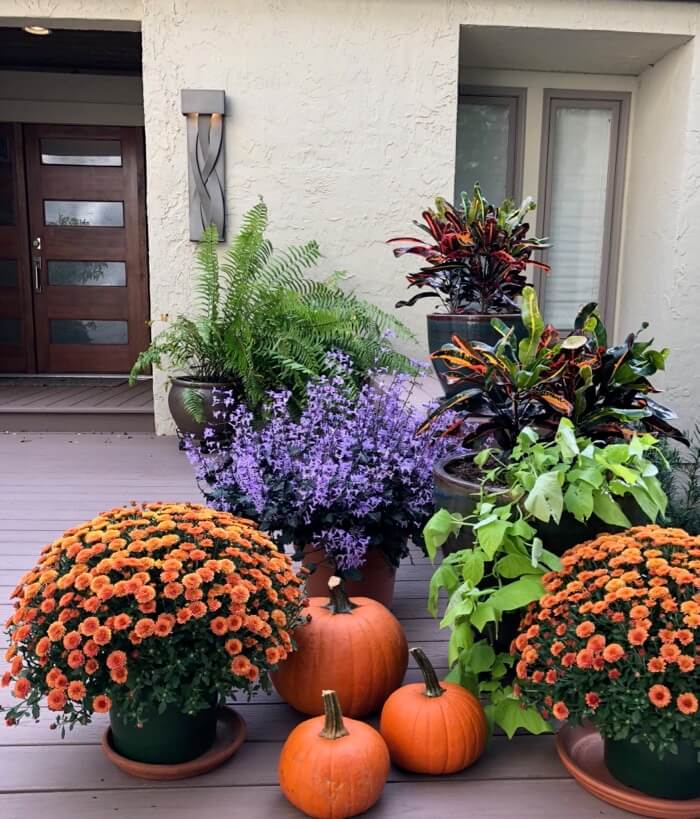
(502,571)
(679,476)
(543,377)
(260,324)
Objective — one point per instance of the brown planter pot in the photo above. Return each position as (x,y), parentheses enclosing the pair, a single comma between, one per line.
(377,583)
(471,327)
(185,423)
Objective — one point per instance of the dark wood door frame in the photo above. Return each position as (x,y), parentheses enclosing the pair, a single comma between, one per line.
(16,303)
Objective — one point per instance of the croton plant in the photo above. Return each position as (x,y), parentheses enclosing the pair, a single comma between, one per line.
(149,606)
(476,254)
(543,377)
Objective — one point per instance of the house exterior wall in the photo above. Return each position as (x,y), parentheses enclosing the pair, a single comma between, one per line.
(343,115)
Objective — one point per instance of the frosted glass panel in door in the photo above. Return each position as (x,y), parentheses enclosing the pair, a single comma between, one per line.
(580,142)
(483,149)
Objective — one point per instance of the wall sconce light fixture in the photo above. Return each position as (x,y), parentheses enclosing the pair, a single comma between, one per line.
(205,112)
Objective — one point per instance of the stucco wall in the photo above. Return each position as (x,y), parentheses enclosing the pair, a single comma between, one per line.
(342,115)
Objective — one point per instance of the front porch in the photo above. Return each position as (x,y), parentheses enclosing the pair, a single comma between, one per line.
(50,482)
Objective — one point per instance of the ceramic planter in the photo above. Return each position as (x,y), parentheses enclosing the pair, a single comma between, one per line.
(377,582)
(185,423)
(170,738)
(472,327)
(676,776)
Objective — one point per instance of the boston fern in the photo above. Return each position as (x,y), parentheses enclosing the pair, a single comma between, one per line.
(261,325)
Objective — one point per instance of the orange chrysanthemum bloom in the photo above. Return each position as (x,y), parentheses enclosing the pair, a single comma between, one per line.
(97,593)
(687,703)
(659,696)
(670,652)
(76,690)
(637,636)
(56,699)
(685,663)
(101,704)
(656,665)
(560,711)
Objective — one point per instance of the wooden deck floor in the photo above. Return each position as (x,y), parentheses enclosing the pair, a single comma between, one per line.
(76,405)
(50,482)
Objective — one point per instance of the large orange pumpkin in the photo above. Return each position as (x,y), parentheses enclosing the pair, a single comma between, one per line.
(332,768)
(433,727)
(354,646)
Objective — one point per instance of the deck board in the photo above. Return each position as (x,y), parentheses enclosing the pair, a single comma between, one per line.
(50,482)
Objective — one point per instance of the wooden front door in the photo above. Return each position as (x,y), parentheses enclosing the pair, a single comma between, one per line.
(86,247)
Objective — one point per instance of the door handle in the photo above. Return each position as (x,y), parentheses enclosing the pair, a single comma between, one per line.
(36,265)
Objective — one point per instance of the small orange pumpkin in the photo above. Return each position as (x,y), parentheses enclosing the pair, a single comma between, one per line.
(332,768)
(354,646)
(433,727)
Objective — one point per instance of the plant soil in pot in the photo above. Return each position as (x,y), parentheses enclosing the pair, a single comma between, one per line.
(377,578)
(188,395)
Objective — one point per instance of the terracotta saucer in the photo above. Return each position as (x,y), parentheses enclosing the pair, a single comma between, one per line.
(581,750)
(230,733)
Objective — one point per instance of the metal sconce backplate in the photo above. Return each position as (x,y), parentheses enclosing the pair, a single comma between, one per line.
(205,111)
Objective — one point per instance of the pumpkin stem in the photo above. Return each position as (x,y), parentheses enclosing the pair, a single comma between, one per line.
(333,727)
(339,602)
(432,684)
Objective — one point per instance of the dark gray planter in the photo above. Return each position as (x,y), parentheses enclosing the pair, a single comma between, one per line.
(185,423)
(471,327)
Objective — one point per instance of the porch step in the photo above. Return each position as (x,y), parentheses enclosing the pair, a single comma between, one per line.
(72,405)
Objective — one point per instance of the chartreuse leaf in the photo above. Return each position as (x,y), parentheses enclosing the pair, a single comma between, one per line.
(578,499)
(438,529)
(655,491)
(510,715)
(644,501)
(517,594)
(444,577)
(608,510)
(478,658)
(483,614)
(472,568)
(489,533)
(534,326)
(566,438)
(462,637)
(545,500)
(514,566)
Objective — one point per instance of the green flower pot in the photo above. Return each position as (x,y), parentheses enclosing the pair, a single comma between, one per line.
(170,738)
(676,776)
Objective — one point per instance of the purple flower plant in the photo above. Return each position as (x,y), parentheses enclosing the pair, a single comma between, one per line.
(347,474)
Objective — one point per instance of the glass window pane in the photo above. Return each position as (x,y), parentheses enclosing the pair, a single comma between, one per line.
(83,214)
(7,184)
(68,151)
(483,150)
(8,272)
(94,274)
(9,331)
(579,186)
(88,331)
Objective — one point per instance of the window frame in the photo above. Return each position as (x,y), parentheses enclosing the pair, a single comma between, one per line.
(516,100)
(618,102)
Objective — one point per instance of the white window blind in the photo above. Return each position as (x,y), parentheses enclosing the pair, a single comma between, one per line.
(581,148)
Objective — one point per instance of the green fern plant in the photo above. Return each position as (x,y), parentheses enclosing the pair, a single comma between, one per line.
(260,324)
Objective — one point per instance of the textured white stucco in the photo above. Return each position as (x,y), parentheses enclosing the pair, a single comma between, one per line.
(342,115)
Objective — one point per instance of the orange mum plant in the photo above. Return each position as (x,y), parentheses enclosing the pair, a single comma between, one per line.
(148,606)
(614,638)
